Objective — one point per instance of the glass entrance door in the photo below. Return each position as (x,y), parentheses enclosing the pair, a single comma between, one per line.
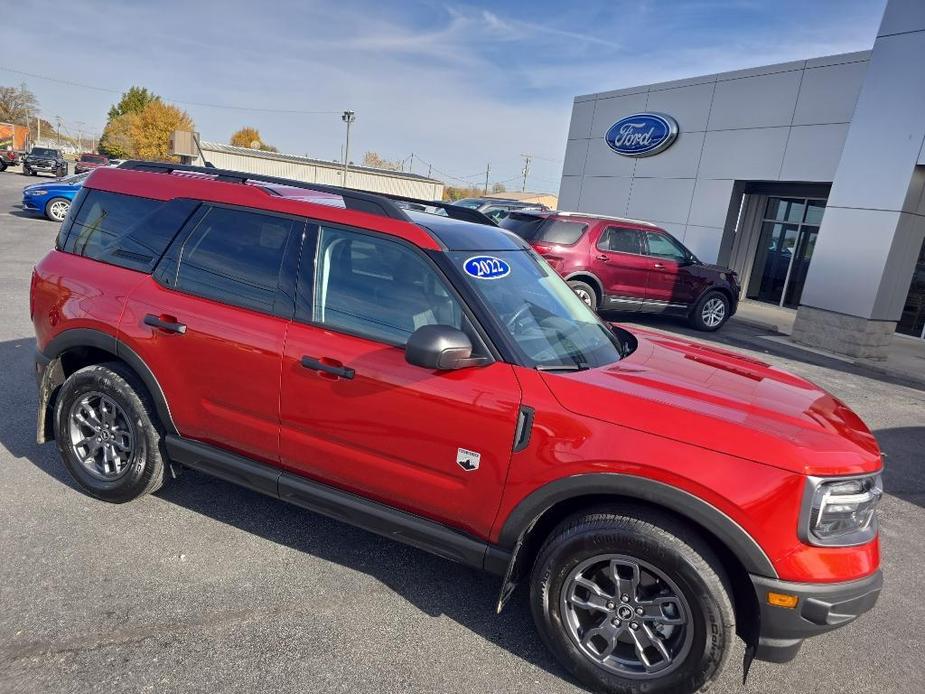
(912,321)
(785,249)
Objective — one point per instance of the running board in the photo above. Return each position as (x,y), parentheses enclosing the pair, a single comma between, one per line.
(335,503)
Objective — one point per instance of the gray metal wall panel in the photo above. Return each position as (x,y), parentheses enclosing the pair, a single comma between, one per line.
(829,94)
(813,152)
(755,102)
(752,154)
(661,199)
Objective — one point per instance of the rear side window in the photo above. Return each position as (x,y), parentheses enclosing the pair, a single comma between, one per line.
(125,230)
(620,240)
(234,256)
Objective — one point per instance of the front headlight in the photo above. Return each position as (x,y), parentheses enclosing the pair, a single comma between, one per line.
(840,512)
(36,192)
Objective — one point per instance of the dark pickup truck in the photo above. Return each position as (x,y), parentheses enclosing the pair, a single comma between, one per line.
(46,160)
(8,157)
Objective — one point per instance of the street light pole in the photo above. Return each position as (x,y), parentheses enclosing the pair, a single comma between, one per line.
(348,118)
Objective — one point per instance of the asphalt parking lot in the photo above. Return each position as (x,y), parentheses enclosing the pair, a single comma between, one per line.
(209,587)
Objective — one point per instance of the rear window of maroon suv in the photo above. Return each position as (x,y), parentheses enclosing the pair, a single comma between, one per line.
(534,229)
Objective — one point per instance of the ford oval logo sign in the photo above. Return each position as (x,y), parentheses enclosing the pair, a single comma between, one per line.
(642,134)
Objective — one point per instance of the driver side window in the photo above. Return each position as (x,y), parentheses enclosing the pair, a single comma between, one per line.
(378,289)
(662,246)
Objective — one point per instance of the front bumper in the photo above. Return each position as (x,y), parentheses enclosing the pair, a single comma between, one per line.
(821,607)
(36,203)
(43,166)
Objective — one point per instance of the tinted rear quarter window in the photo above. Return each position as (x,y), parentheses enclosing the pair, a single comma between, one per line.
(124,230)
(561,232)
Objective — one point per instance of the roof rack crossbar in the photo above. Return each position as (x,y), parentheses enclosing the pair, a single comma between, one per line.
(359,201)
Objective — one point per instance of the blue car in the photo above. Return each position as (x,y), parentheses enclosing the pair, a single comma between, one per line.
(53,199)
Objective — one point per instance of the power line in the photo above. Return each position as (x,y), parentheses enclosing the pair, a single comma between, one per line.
(173,101)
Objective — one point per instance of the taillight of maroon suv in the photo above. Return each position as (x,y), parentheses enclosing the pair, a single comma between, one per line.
(629,265)
(433,380)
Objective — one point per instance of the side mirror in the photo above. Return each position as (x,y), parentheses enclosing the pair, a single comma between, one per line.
(440,347)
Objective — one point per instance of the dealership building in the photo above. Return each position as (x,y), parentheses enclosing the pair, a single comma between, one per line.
(807,178)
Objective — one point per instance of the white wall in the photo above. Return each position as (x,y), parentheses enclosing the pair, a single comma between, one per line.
(784,122)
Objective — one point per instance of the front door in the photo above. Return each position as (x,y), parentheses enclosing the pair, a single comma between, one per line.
(671,285)
(356,415)
(619,262)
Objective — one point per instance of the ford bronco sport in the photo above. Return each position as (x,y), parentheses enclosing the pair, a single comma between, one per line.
(430,378)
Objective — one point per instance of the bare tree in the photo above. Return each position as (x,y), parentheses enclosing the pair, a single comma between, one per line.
(17,104)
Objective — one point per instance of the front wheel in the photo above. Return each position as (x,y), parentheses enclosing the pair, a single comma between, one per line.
(56,209)
(25,171)
(710,312)
(108,434)
(585,292)
(632,603)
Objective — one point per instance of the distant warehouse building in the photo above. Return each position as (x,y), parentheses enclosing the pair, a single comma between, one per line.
(808,178)
(318,171)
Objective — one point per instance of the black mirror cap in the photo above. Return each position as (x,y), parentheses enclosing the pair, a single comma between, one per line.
(440,347)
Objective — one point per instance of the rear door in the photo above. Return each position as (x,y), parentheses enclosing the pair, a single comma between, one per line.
(211,323)
(671,286)
(622,268)
(356,415)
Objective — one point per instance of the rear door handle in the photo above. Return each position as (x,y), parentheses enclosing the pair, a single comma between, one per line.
(335,369)
(602,258)
(167,323)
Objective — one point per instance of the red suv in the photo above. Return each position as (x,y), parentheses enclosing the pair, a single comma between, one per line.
(433,380)
(629,265)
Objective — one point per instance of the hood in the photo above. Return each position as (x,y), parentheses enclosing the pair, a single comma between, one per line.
(53,186)
(724,402)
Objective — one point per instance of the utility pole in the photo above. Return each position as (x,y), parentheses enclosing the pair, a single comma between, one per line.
(411,165)
(58,132)
(487,174)
(429,169)
(526,171)
(348,118)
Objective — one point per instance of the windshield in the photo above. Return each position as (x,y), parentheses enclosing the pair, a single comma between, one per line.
(76,178)
(44,152)
(93,158)
(471,203)
(549,324)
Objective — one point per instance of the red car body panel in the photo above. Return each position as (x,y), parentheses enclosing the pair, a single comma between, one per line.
(221,378)
(389,432)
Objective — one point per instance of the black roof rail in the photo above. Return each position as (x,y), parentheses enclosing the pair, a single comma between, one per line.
(357,200)
(466,214)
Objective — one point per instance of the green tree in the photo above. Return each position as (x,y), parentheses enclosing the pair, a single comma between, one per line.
(116,140)
(132,101)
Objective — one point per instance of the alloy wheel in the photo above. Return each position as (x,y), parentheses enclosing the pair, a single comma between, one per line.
(102,436)
(58,210)
(713,312)
(583,295)
(626,616)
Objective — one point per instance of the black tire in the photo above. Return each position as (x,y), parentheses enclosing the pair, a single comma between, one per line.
(53,210)
(25,171)
(669,547)
(145,466)
(585,292)
(704,317)
(2,166)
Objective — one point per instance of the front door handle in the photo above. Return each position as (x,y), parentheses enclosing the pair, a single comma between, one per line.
(166,323)
(658,266)
(335,368)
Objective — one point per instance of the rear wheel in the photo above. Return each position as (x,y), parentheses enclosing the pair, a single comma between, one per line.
(56,209)
(108,434)
(710,312)
(632,603)
(585,292)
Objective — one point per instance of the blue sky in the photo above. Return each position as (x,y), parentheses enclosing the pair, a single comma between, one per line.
(458,84)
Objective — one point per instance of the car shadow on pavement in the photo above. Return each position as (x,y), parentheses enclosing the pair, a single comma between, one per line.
(435,586)
(903,464)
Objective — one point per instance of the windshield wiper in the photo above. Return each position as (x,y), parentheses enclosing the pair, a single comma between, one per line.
(562,367)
